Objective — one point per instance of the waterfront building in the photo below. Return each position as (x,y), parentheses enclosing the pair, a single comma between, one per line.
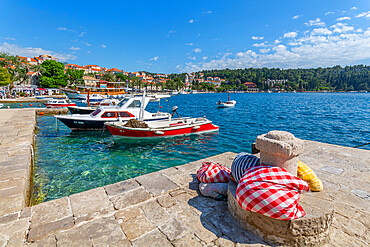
(90,81)
(33,78)
(251,86)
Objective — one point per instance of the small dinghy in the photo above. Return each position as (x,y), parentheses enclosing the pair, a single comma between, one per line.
(227,104)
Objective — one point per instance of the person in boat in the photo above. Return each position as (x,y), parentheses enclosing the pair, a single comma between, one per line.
(219,102)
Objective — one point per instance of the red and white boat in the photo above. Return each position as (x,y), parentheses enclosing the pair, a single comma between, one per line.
(162,128)
(55,103)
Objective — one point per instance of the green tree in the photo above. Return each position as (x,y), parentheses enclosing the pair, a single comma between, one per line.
(109,77)
(54,75)
(121,77)
(74,75)
(5,77)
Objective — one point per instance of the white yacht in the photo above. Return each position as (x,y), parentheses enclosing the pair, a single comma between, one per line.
(126,109)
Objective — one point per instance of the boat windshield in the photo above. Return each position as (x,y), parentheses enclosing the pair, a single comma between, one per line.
(96,112)
(122,102)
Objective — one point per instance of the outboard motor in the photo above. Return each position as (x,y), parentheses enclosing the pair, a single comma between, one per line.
(174,110)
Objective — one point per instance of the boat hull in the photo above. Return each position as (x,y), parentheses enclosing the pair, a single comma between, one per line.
(91,124)
(59,105)
(131,133)
(74,124)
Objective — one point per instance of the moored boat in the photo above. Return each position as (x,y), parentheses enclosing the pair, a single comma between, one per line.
(226,104)
(56,103)
(90,109)
(126,109)
(162,129)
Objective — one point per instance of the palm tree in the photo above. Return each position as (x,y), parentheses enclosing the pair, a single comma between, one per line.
(109,77)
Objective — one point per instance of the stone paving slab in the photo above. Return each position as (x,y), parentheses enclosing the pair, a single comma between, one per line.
(16,145)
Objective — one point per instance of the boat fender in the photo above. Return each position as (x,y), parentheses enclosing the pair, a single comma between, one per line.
(159,132)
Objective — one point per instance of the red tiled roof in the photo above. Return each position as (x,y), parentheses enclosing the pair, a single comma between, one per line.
(114,69)
(31,73)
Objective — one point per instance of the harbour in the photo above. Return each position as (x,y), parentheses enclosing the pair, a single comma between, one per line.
(182,124)
(163,207)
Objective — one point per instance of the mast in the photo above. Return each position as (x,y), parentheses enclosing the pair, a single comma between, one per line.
(88,97)
(141,113)
(228,95)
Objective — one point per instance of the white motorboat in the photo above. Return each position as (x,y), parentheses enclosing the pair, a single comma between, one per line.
(56,103)
(90,109)
(1,105)
(126,109)
(227,104)
(94,98)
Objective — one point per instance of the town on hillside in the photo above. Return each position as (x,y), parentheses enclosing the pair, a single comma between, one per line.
(44,74)
(29,75)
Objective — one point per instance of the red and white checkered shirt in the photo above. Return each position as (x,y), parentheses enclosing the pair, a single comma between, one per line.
(271,191)
(213,173)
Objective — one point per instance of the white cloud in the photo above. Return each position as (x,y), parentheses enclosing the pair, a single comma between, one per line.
(197,50)
(240,54)
(309,51)
(277,41)
(328,13)
(264,50)
(14,49)
(190,44)
(353,8)
(170,32)
(316,22)
(259,45)
(341,28)
(296,17)
(205,58)
(207,12)
(343,18)
(257,38)
(154,58)
(191,21)
(65,29)
(104,46)
(85,43)
(8,38)
(321,31)
(364,14)
(74,48)
(192,58)
(82,34)
(290,35)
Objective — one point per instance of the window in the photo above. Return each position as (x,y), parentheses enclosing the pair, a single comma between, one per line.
(125,114)
(135,103)
(96,112)
(122,102)
(108,114)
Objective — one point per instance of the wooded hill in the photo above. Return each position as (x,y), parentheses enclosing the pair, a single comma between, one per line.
(337,78)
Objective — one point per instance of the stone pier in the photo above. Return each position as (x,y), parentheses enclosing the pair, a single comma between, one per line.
(162,208)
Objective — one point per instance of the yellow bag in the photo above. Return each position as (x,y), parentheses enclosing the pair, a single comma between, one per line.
(308,175)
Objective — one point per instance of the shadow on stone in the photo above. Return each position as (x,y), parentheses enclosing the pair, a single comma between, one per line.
(215,218)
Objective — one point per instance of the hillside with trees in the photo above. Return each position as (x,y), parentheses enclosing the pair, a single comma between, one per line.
(335,78)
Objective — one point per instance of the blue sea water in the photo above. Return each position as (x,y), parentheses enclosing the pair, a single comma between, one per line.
(70,162)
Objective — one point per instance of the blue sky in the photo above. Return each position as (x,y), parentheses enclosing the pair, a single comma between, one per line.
(176,36)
